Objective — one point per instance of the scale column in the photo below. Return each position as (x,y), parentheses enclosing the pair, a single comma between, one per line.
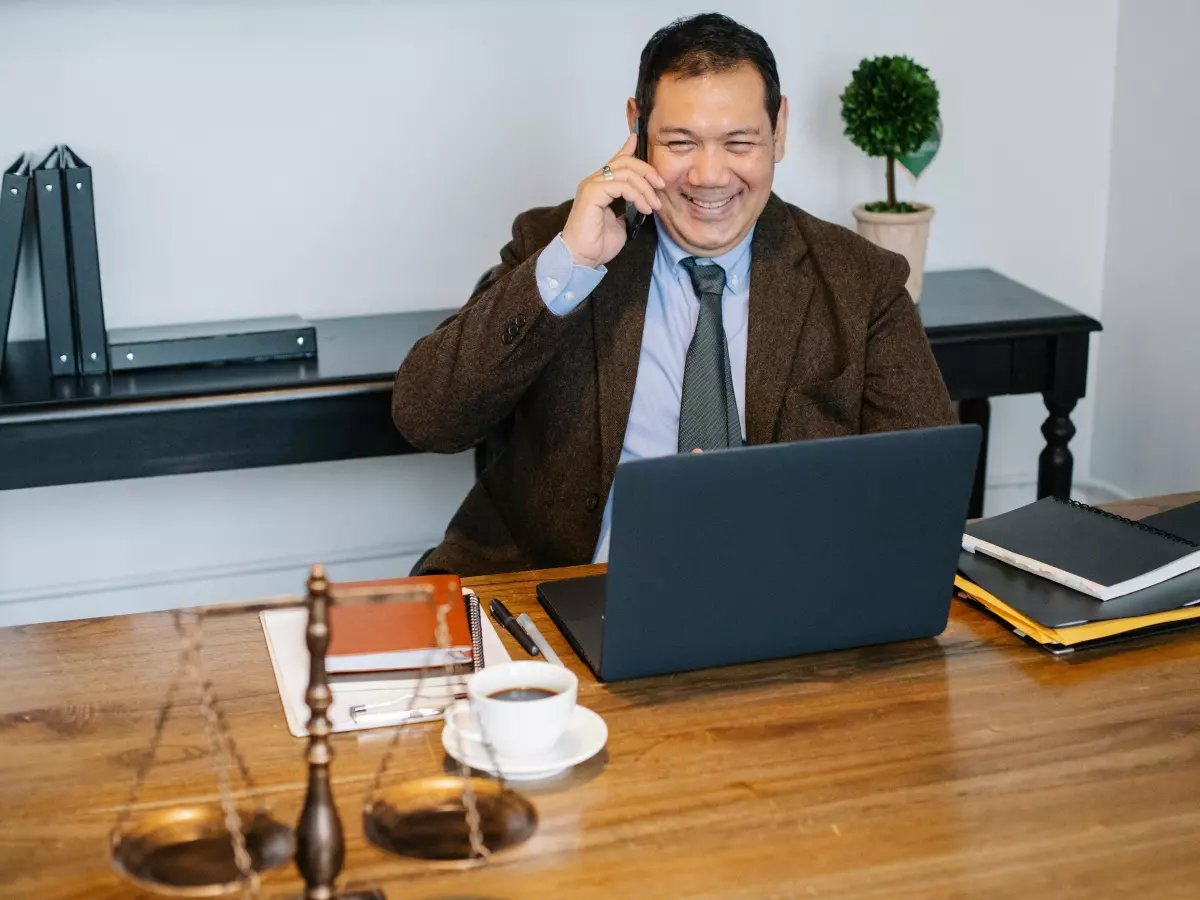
(320,845)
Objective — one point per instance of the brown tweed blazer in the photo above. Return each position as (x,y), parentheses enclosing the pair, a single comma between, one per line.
(835,347)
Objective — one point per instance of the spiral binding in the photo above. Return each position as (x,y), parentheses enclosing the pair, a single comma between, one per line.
(474,620)
(1149,529)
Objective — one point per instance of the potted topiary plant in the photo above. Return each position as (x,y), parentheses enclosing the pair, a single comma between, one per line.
(890,109)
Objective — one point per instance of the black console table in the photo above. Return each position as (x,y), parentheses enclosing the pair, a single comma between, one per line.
(990,335)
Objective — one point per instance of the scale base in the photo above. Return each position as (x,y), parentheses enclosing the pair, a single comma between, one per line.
(426,819)
(184,851)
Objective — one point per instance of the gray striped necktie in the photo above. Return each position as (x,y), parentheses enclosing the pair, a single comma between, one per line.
(708,413)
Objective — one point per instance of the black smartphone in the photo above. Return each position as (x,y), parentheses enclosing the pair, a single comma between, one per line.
(633,218)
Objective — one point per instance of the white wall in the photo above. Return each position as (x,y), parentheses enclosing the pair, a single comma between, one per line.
(332,158)
(163,543)
(1147,438)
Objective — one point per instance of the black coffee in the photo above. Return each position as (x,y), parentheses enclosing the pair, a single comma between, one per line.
(522,693)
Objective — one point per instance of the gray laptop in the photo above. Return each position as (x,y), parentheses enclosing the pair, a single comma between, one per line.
(771,551)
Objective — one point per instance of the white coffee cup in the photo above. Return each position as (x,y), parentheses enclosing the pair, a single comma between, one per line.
(516,727)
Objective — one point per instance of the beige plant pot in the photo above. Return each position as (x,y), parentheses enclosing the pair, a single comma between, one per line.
(905,233)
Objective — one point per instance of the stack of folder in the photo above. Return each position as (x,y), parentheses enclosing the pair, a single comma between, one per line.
(1053,560)
(59,192)
(53,202)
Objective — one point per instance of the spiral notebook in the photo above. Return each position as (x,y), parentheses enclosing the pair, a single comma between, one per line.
(1084,548)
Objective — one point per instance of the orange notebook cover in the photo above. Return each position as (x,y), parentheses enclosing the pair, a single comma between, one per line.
(388,636)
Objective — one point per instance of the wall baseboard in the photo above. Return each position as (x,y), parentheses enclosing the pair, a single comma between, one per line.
(1009,492)
(151,580)
(182,588)
(1101,491)
(285,574)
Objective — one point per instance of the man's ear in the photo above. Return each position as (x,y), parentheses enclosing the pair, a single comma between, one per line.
(781,129)
(631,113)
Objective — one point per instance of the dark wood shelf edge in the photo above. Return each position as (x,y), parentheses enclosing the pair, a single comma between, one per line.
(198,401)
(198,438)
(1048,327)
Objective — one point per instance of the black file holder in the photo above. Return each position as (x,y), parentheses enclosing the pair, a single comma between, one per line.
(55,266)
(14,198)
(207,343)
(91,341)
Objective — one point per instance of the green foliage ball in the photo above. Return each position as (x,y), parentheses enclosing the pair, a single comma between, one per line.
(890,106)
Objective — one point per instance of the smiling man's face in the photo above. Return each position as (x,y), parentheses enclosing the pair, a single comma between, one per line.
(711,140)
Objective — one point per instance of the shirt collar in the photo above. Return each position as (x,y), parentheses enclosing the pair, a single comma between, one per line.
(734,262)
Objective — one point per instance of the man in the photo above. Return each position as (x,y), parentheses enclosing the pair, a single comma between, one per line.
(729,316)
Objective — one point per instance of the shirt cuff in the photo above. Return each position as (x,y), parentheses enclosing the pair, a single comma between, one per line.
(562,284)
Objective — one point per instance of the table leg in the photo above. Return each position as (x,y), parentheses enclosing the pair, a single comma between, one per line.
(977,411)
(1056,463)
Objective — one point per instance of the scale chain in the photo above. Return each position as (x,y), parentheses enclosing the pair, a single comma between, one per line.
(464,769)
(233,750)
(470,802)
(160,725)
(237,836)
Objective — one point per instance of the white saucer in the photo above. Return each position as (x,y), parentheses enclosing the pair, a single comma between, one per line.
(585,736)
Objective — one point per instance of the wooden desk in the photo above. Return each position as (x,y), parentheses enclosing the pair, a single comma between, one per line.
(970,765)
(991,336)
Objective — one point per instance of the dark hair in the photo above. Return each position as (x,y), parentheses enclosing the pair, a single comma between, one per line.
(697,45)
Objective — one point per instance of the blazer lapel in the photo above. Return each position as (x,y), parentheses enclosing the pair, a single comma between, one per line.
(780,293)
(618,315)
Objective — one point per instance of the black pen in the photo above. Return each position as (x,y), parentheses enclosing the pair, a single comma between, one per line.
(501,614)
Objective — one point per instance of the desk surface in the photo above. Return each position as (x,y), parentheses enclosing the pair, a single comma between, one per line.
(364,349)
(970,765)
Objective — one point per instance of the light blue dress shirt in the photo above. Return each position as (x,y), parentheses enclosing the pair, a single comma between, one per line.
(671,313)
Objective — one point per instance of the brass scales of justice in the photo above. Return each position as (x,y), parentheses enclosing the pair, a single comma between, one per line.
(202,850)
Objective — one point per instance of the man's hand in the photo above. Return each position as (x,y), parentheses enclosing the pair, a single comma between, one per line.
(593,233)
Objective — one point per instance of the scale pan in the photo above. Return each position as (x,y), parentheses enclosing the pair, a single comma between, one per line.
(184,851)
(426,818)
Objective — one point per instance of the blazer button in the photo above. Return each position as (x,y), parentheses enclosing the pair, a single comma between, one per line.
(506,338)
(513,328)
(519,321)
(593,501)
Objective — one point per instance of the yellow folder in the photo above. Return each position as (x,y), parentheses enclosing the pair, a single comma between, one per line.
(1075,634)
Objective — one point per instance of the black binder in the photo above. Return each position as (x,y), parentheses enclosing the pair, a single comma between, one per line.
(1056,606)
(206,343)
(56,272)
(13,201)
(91,340)
(1183,521)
